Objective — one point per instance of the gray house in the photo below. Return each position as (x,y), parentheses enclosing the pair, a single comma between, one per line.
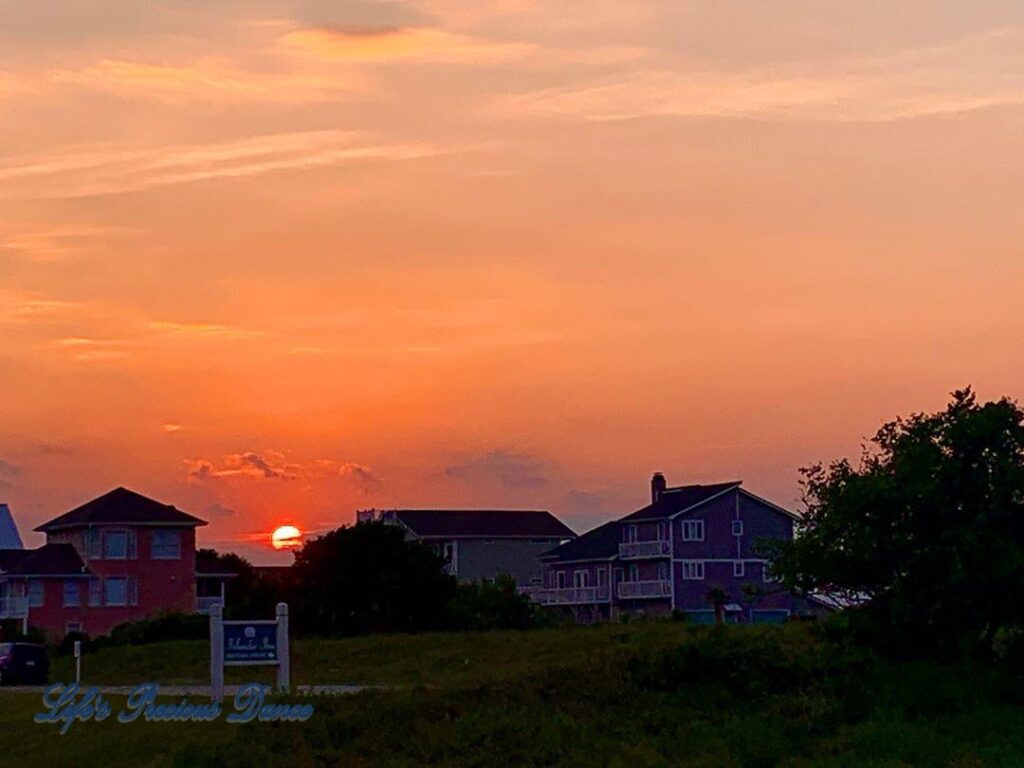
(482,543)
(9,536)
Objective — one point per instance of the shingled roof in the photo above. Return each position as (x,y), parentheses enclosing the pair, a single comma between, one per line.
(601,543)
(11,557)
(122,506)
(482,523)
(48,560)
(675,500)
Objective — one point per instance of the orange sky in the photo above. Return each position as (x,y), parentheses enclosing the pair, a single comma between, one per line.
(273,264)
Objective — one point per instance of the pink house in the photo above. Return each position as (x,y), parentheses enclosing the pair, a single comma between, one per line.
(118,558)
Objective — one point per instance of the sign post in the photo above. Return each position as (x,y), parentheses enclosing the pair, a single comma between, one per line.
(78,661)
(249,644)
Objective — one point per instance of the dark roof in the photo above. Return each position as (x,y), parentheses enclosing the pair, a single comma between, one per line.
(673,500)
(207,564)
(122,506)
(49,560)
(11,557)
(489,523)
(601,543)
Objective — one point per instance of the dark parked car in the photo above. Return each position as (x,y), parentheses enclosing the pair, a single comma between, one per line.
(23,664)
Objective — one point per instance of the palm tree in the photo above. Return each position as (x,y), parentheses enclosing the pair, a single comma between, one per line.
(718,598)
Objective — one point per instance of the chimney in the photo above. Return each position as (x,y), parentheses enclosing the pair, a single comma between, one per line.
(657,487)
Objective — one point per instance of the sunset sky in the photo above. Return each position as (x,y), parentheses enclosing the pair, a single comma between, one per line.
(274,262)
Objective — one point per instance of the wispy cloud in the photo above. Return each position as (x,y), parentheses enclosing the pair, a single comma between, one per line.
(194,331)
(209,79)
(384,44)
(87,350)
(973,73)
(101,171)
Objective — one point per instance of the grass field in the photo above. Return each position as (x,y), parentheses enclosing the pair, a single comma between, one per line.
(647,694)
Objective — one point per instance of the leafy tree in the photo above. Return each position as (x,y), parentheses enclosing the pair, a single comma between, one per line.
(247,595)
(493,604)
(368,578)
(928,529)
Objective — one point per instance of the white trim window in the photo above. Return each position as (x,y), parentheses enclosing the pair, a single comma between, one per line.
(693,530)
(561,579)
(36,593)
(768,576)
(631,534)
(580,579)
(165,545)
(662,571)
(737,527)
(73,627)
(739,569)
(632,572)
(602,577)
(72,593)
(693,570)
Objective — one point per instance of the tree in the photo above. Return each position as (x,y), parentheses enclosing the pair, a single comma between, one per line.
(929,529)
(248,595)
(493,604)
(368,578)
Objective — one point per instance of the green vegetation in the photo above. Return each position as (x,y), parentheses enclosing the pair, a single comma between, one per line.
(929,527)
(649,694)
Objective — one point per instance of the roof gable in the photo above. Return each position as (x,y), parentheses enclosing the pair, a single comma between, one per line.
(9,536)
(483,523)
(122,506)
(674,501)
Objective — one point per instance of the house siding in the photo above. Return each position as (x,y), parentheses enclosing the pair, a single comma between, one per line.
(480,559)
(161,585)
(718,551)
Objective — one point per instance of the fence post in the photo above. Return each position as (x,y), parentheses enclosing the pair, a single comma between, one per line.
(283,652)
(217,652)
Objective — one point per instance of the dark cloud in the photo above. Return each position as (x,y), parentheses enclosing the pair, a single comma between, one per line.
(8,471)
(219,510)
(512,470)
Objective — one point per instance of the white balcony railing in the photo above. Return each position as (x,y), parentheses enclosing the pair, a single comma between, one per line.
(567,596)
(13,607)
(204,604)
(637,550)
(632,590)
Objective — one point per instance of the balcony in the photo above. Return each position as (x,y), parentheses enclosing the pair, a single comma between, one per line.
(638,590)
(567,596)
(204,604)
(640,550)
(13,607)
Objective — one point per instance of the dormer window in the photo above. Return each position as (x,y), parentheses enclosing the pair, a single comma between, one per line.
(737,527)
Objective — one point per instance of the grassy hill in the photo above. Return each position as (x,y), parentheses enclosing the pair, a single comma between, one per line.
(648,694)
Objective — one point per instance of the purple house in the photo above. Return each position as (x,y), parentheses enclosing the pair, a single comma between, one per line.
(669,554)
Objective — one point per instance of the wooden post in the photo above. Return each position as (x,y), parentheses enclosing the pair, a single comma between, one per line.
(217,652)
(283,653)
(78,661)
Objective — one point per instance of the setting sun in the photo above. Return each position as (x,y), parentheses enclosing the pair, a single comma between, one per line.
(286,537)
